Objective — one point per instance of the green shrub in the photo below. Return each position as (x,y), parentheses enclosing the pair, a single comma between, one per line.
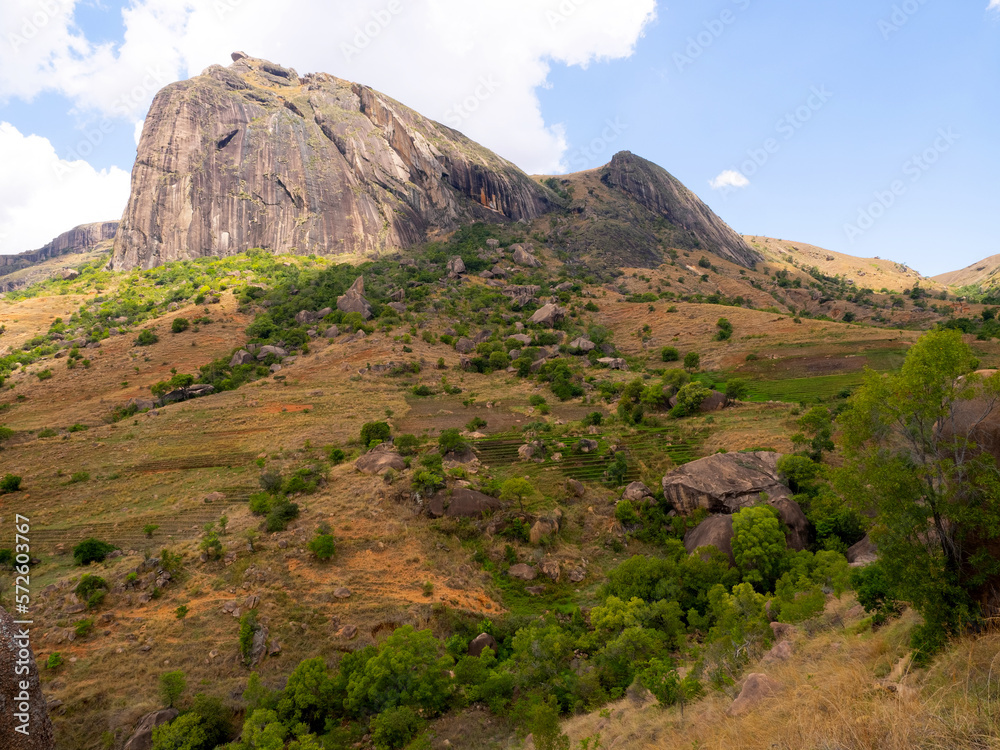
(45,374)
(82,628)
(77,428)
(451,441)
(5,433)
(406,444)
(281,513)
(422,391)
(47,433)
(689,399)
(374,432)
(626,514)
(181,612)
(260,503)
(172,686)
(10,483)
(180,325)
(146,338)
(670,354)
(91,589)
(336,456)
(475,424)
(595,418)
(324,546)
(149,529)
(54,661)
(92,550)
(692,361)
(79,476)
(725,331)
(737,389)
(271,481)
(394,727)
(248,626)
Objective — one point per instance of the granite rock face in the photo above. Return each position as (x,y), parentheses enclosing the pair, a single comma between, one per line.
(660,192)
(255,156)
(78,239)
(12,651)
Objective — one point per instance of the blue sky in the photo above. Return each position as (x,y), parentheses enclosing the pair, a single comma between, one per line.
(863,126)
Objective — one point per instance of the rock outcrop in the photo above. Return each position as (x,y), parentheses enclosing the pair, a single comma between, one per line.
(660,192)
(15,711)
(77,240)
(255,156)
(724,483)
(714,531)
(461,503)
(142,736)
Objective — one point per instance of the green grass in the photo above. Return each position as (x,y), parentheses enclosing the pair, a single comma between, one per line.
(797,390)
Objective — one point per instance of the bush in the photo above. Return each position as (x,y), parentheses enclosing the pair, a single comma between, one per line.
(692,361)
(54,661)
(92,589)
(737,389)
(451,441)
(146,338)
(759,547)
(324,546)
(45,374)
(374,432)
(79,476)
(180,325)
(725,330)
(271,481)
(670,354)
(248,626)
(172,686)
(393,728)
(92,550)
(260,503)
(77,428)
(690,399)
(281,513)
(82,628)
(5,432)
(336,456)
(594,419)
(149,529)
(10,483)
(407,444)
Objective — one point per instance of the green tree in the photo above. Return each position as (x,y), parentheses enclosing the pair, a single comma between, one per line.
(692,361)
(759,547)
(670,354)
(544,725)
(374,432)
(451,441)
(817,432)
(911,461)
(324,546)
(186,732)
(393,728)
(689,399)
(737,389)
(516,490)
(172,686)
(91,550)
(180,325)
(725,331)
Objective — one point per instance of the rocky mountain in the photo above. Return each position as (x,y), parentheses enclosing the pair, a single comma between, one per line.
(254,155)
(77,240)
(984,274)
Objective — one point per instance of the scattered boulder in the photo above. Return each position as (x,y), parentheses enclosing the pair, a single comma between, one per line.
(552,570)
(277,351)
(142,736)
(354,300)
(348,632)
(483,641)
(797,534)
(379,460)
(531,452)
(461,503)
(780,651)
(242,357)
(15,649)
(575,488)
(577,575)
(68,274)
(522,338)
(862,553)
(465,346)
(331,333)
(586,445)
(525,259)
(756,688)
(342,592)
(636,492)
(258,649)
(724,483)
(546,527)
(582,345)
(548,315)
(215,497)
(456,266)
(523,572)
(613,363)
(714,531)
(565,286)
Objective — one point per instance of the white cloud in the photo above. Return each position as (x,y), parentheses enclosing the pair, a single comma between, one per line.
(994,5)
(474,66)
(42,196)
(728,180)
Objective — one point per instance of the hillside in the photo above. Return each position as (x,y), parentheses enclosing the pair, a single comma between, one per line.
(99,458)
(75,247)
(982,274)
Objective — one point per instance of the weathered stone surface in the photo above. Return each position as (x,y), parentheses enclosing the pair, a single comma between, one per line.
(522,572)
(41,735)
(379,460)
(353,300)
(548,315)
(636,492)
(552,570)
(252,155)
(258,649)
(862,553)
(525,259)
(456,265)
(142,736)
(724,483)
(586,445)
(714,531)
(522,338)
(461,503)
(757,687)
(577,575)
(80,239)
(277,351)
(660,192)
(613,363)
(242,357)
(582,345)
(465,346)
(331,333)
(483,641)
(575,488)
(792,515)
(546,527)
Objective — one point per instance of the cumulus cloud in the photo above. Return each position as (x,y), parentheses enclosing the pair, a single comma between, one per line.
(474,66)
(42,196)
(728,180)
(994,5)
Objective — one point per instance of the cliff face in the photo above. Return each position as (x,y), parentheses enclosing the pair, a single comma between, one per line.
(660,192)
(76,240)
(254,156)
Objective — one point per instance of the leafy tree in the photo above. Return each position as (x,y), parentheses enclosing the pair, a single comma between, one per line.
(689,399)
(692,361)
(817,432)
(408,670)
(6,433)
(725,331)
(544,724)
(759,545)
(146,338)
(324,546)
(661,679)
(91,589)
(308,696)
(670,354)
(180,325)
(737,389)
(374,432)
(172,686)
(451,441)
(10,483)
(516,490)
(186,732)
(393,728)
(911,460)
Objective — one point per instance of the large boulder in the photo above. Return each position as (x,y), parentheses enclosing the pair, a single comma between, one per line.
(22,703)
(724,483)
(465,346)
(797,526)
(461,503)
(142,736)
(354,300)
(548,315)
(582,345)
(757,688)
(481,642)
(862,553)
(714,531)
(277,351)
(526,259)
(242,357)
(614,363)
(379,460)
(456,266)
(523,572)
(636,492)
